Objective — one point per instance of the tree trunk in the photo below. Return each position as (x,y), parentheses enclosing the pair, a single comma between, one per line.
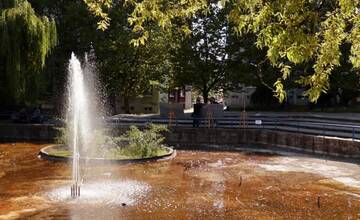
(205,96)
(126,105)
(112,104)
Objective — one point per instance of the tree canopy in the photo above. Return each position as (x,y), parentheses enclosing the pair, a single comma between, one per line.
(292,32)
(26,40)
(301,31)
(128,71)
(201,58)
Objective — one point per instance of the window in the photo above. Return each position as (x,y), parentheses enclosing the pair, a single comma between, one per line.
(148,93)
(148,109)
(182,93)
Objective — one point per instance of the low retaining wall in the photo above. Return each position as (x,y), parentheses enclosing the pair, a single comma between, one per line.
(27,132)
(196,137)
(256,137)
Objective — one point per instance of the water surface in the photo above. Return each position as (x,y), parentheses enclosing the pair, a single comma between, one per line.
(194,185)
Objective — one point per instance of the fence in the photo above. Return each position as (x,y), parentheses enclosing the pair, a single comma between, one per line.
(305,126)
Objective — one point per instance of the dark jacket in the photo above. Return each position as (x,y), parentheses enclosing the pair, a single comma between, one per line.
(197,109)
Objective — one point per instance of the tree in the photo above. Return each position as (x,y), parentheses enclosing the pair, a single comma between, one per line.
(293,32)
(201,59)
(248,64)
(124,70)
(76,33)
(129,71)
(26,40)
(300,31)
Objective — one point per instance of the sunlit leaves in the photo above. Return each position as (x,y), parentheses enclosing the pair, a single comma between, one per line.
(163,13)
(299,31)
(279,90)
(160,12)
(354,38)
(328,56)
(293,32)
(98,8)
(348,7)
(140,40)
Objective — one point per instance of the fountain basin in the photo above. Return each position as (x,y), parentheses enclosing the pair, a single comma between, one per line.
(57,152)
(194,185)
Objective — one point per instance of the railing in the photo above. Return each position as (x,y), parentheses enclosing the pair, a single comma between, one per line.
(305,126)
(324,126)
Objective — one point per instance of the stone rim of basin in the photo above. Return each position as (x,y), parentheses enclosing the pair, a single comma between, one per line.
(45,153)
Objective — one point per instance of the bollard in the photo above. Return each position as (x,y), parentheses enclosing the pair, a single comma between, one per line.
(243,122)
(210,119)
(171,116)
(318,201)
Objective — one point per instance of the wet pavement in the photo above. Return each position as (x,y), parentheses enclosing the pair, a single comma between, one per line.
(194,185)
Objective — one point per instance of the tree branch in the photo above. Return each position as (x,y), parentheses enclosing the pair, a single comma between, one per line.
(259,74)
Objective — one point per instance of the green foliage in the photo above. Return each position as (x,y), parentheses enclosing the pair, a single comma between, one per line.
(248,64)
(98,8)
(26,40)
(200,59)
(142,143)
(293,32)
(354,38)
(163,13)
(76,29)
(135,143)
(62,136)
(299,31)
(128,71)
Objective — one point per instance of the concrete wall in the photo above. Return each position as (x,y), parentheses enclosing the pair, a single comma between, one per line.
(196,137)
(27,132)
(254,137)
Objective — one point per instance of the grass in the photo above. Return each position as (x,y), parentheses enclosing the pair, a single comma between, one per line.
(112,155)
(125,154)
(61,153)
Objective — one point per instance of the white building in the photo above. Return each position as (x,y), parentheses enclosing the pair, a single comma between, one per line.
(296,97)
(239,98)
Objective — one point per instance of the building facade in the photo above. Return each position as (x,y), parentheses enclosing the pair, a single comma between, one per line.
(182,96)
(240,98)
(148,103)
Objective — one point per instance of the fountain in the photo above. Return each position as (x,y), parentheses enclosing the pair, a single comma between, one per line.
(83,118)
(85,138)
(79,112)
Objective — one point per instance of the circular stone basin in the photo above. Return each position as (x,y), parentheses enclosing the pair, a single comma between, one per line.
(61,153)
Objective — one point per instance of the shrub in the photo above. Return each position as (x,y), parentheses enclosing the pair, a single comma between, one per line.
(142,143)
(135,143)
(62,136)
